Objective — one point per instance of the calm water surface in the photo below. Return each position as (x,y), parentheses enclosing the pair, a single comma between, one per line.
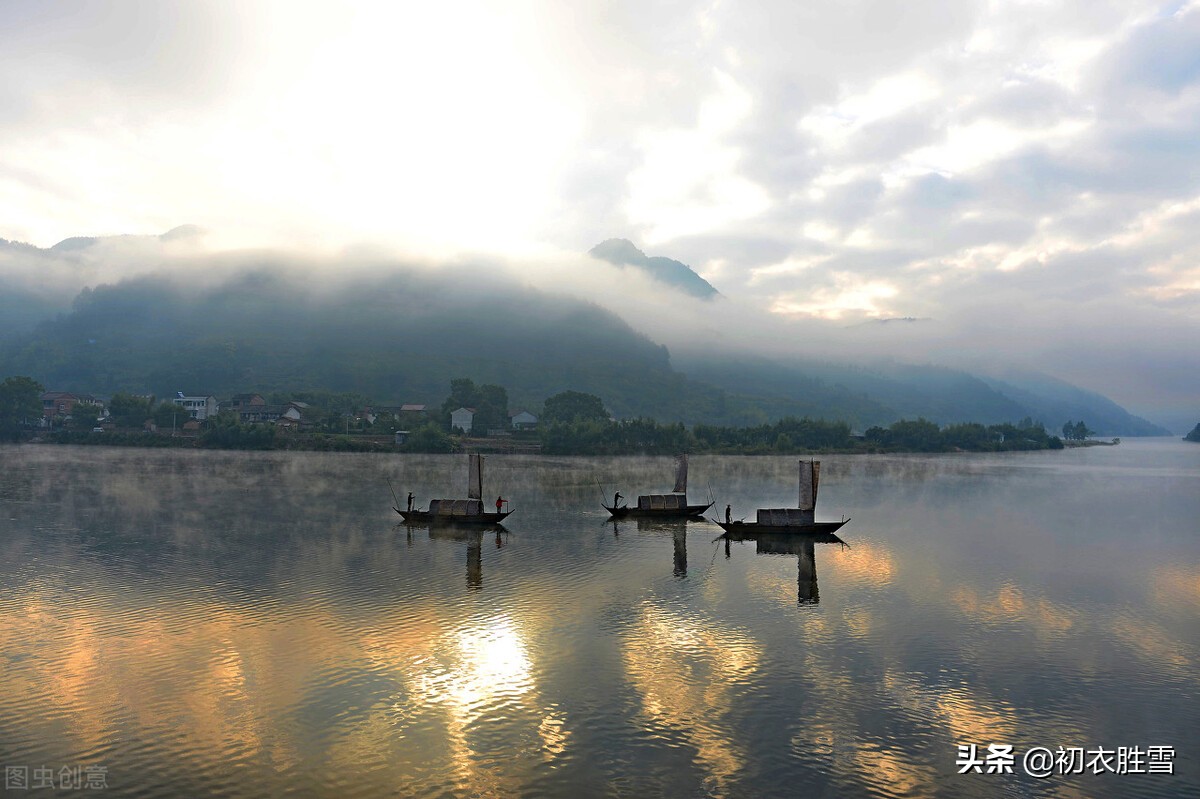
(207,623)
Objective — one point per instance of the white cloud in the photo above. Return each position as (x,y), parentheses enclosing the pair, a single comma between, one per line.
(828,159)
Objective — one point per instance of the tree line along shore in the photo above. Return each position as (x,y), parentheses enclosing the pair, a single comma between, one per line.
(571,423)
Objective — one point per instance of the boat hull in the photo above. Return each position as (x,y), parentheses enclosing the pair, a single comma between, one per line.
(444,520)
(686,512)
(753,528)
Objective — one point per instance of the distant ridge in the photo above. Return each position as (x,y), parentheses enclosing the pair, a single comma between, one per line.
(179,233)
(266,328)
(623,252)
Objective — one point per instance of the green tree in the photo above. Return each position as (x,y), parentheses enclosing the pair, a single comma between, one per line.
(463,394)
(224,431)
(970,436)
(429,437)
(491,412)
(574,406)
(168,415)
(126,410)
(921,435)
(20,405)
(1076,431)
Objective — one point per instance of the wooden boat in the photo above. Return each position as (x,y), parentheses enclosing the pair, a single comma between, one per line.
(455,512)
(799,520)
(663,506)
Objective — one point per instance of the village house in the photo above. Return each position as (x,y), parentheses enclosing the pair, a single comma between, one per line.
(522,420)
(462,419)
(413,413)
(243,401)
(62,403)
(197,407)
(252,409)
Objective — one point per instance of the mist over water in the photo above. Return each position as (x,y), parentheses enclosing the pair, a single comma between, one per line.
(248,624)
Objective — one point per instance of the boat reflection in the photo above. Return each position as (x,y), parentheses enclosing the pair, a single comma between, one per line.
(474,537)
(802,545)
(676,528)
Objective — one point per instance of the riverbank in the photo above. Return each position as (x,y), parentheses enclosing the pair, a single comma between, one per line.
(525,445)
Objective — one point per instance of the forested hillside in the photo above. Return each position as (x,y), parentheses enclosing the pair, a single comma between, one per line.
(401,336)
(401,339)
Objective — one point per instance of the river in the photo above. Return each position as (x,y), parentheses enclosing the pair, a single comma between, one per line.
(249,624)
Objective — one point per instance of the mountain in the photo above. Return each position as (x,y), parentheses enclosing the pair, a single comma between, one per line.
(37,283)
(1049,398)
(24,303)
(401,338)
(401,335)
(77,243)
(22,308)
(622,252)
(882,392)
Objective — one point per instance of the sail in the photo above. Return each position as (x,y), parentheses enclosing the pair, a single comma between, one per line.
(475,486)
(680,475)
(810,476)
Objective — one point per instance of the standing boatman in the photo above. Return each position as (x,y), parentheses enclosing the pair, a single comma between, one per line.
(410,500)
(617,498)
(499,504)
(728,514)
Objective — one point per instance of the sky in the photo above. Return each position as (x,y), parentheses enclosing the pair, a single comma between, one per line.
(1023,175)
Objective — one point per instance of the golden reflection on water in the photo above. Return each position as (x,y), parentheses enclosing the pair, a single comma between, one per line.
(218,678)
(1011,604)
(1175,585)
(298,672)
(1154,644)
(890,772)
(686,673)
(490,675)
(967,715)
(860,563)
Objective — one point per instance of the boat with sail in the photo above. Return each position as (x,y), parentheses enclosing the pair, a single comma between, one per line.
(662,506)
(469,511)
(801,519)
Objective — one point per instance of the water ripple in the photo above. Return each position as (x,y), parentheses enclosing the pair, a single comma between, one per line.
(240,624)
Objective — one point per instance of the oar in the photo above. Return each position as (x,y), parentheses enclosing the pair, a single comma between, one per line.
(395,498)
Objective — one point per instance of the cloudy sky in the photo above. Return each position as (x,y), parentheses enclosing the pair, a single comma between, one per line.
(1026,175)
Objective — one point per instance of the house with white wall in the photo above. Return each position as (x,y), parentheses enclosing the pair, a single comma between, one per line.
(197,407)
(522,420)
(462,419)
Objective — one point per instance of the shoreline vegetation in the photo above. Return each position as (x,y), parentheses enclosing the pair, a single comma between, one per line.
(571,423)
(788,436)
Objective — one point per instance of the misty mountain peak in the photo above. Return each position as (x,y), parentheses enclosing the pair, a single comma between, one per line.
(623,253)
(179,233)
(74,243)
(182,233)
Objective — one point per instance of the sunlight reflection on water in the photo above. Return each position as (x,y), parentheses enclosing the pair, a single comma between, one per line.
(256,624)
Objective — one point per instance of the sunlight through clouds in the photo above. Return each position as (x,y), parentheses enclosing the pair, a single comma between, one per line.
(847,297)
(689,181)
(961,162)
